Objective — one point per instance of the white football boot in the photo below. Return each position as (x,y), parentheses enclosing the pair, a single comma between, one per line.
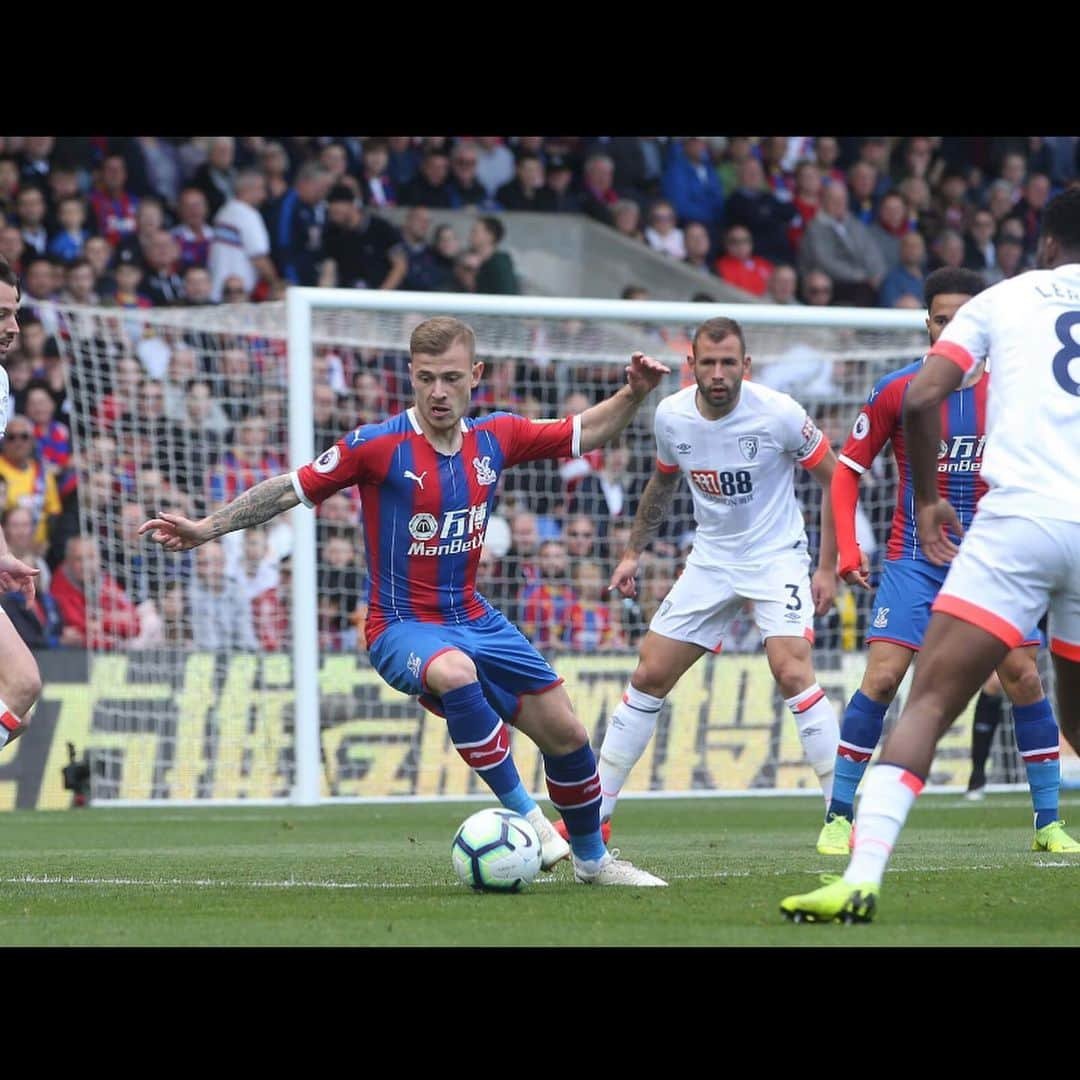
(611,870)
(553,847)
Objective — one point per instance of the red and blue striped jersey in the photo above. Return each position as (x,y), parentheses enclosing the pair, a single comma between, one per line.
(960,454)
(425,513)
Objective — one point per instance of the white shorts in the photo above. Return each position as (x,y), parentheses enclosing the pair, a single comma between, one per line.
(1009,571)
(702,603)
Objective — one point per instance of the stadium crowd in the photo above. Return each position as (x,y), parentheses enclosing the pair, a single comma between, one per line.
(185,421)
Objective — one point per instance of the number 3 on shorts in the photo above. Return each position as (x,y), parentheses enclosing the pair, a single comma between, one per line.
(794,604)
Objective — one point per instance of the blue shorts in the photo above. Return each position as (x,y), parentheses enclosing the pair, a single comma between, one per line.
(901,609)
(507,664)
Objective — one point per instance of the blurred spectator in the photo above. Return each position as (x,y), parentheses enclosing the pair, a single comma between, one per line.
(404,159)
(362,251)
(908,277)
(216,176)
(296,240)
(918,158)
(247,463)
(9,185)
(240,244)
(193,234)
(752,204)
(276,169)
(952,202)
(52,437)
(580,533)
(161,283)
(599,194)
(37,289)
(465,187)
(18,525)
(341,587)
(39,623)
(698,247)
(826,155)
(466,267)
(842,246)
(589,627)
(773,154)
(68,242)
(626,218)
(496,272)
(662,234)
(603,495)
(875,153)
(12,247)
(97,613)
(739,266)
(334,159)
(527,191)
(738,149)
(817,288)
(999,200)
(30,218)
(519,566)
(197,286)
(79,283)
(431,186)
(783,282)
(220,611)
(1028,211)
(1013,172)
(270,611)
(98,253)
(495,163)
(560,178)
(29,483)
(257,568)
(113,206)
(235,385)
(691,185)
(193,445)
(149,221)
(176,622)
(948,250)
(892,223)
(546,602)
(376,187)
(862,182)
(806,198)
(1008,259)
(979,242)
(445,248)
(161,165)
(424,272)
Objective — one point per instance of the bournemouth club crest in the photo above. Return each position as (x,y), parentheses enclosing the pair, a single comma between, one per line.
(748,444)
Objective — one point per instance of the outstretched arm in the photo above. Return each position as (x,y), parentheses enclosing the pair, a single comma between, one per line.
(601,423)
(651,511)
(258,504)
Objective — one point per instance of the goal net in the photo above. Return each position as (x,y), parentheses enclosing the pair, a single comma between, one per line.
(238,671)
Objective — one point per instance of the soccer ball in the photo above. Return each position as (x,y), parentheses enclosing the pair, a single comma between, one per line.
(496,850)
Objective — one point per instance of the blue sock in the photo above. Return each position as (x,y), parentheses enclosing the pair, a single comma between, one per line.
(1037,740)
(864,720)
(573,784)
(483,740)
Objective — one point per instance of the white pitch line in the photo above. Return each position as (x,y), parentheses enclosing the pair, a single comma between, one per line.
(547,879)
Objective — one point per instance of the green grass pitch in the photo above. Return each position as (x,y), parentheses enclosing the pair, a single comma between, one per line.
(378,875)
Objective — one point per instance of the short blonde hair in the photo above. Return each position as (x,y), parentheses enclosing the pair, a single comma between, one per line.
(434,336)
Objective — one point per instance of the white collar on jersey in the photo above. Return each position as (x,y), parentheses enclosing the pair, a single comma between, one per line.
(410,412)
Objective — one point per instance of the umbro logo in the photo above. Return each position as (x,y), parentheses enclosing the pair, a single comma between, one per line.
(410,475)
(683,448)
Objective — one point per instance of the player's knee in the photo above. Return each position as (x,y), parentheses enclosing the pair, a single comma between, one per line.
(650,678)
(450,671)
(881,684)
(22,689)
(566,735)
(793,675)
(1021,682)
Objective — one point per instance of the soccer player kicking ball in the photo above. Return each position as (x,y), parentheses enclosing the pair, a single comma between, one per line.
(910,582)
(737,443)
(20,680)
(428,478)
(1022,553)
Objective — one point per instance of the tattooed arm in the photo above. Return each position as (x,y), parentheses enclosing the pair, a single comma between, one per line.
(653,508)
(256,505)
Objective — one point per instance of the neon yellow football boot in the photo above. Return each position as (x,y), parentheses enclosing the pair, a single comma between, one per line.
(1055,839)
(836,901)
(835,837)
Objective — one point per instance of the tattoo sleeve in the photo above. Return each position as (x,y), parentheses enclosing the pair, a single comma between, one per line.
(256,505)
(651,511)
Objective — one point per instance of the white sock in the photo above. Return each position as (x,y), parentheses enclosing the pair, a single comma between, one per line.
(628,734)
(819,733)
(888,794)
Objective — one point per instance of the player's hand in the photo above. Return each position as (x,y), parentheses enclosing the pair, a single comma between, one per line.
(934,519)
(625,577)
(823,589)
(174,532)
(16,576)
(643,374)
(857,576)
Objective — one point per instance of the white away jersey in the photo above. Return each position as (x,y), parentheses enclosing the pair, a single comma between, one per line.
(741,470)
(1028,329)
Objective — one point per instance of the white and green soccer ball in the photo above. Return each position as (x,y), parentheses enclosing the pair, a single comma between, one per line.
(496,850)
